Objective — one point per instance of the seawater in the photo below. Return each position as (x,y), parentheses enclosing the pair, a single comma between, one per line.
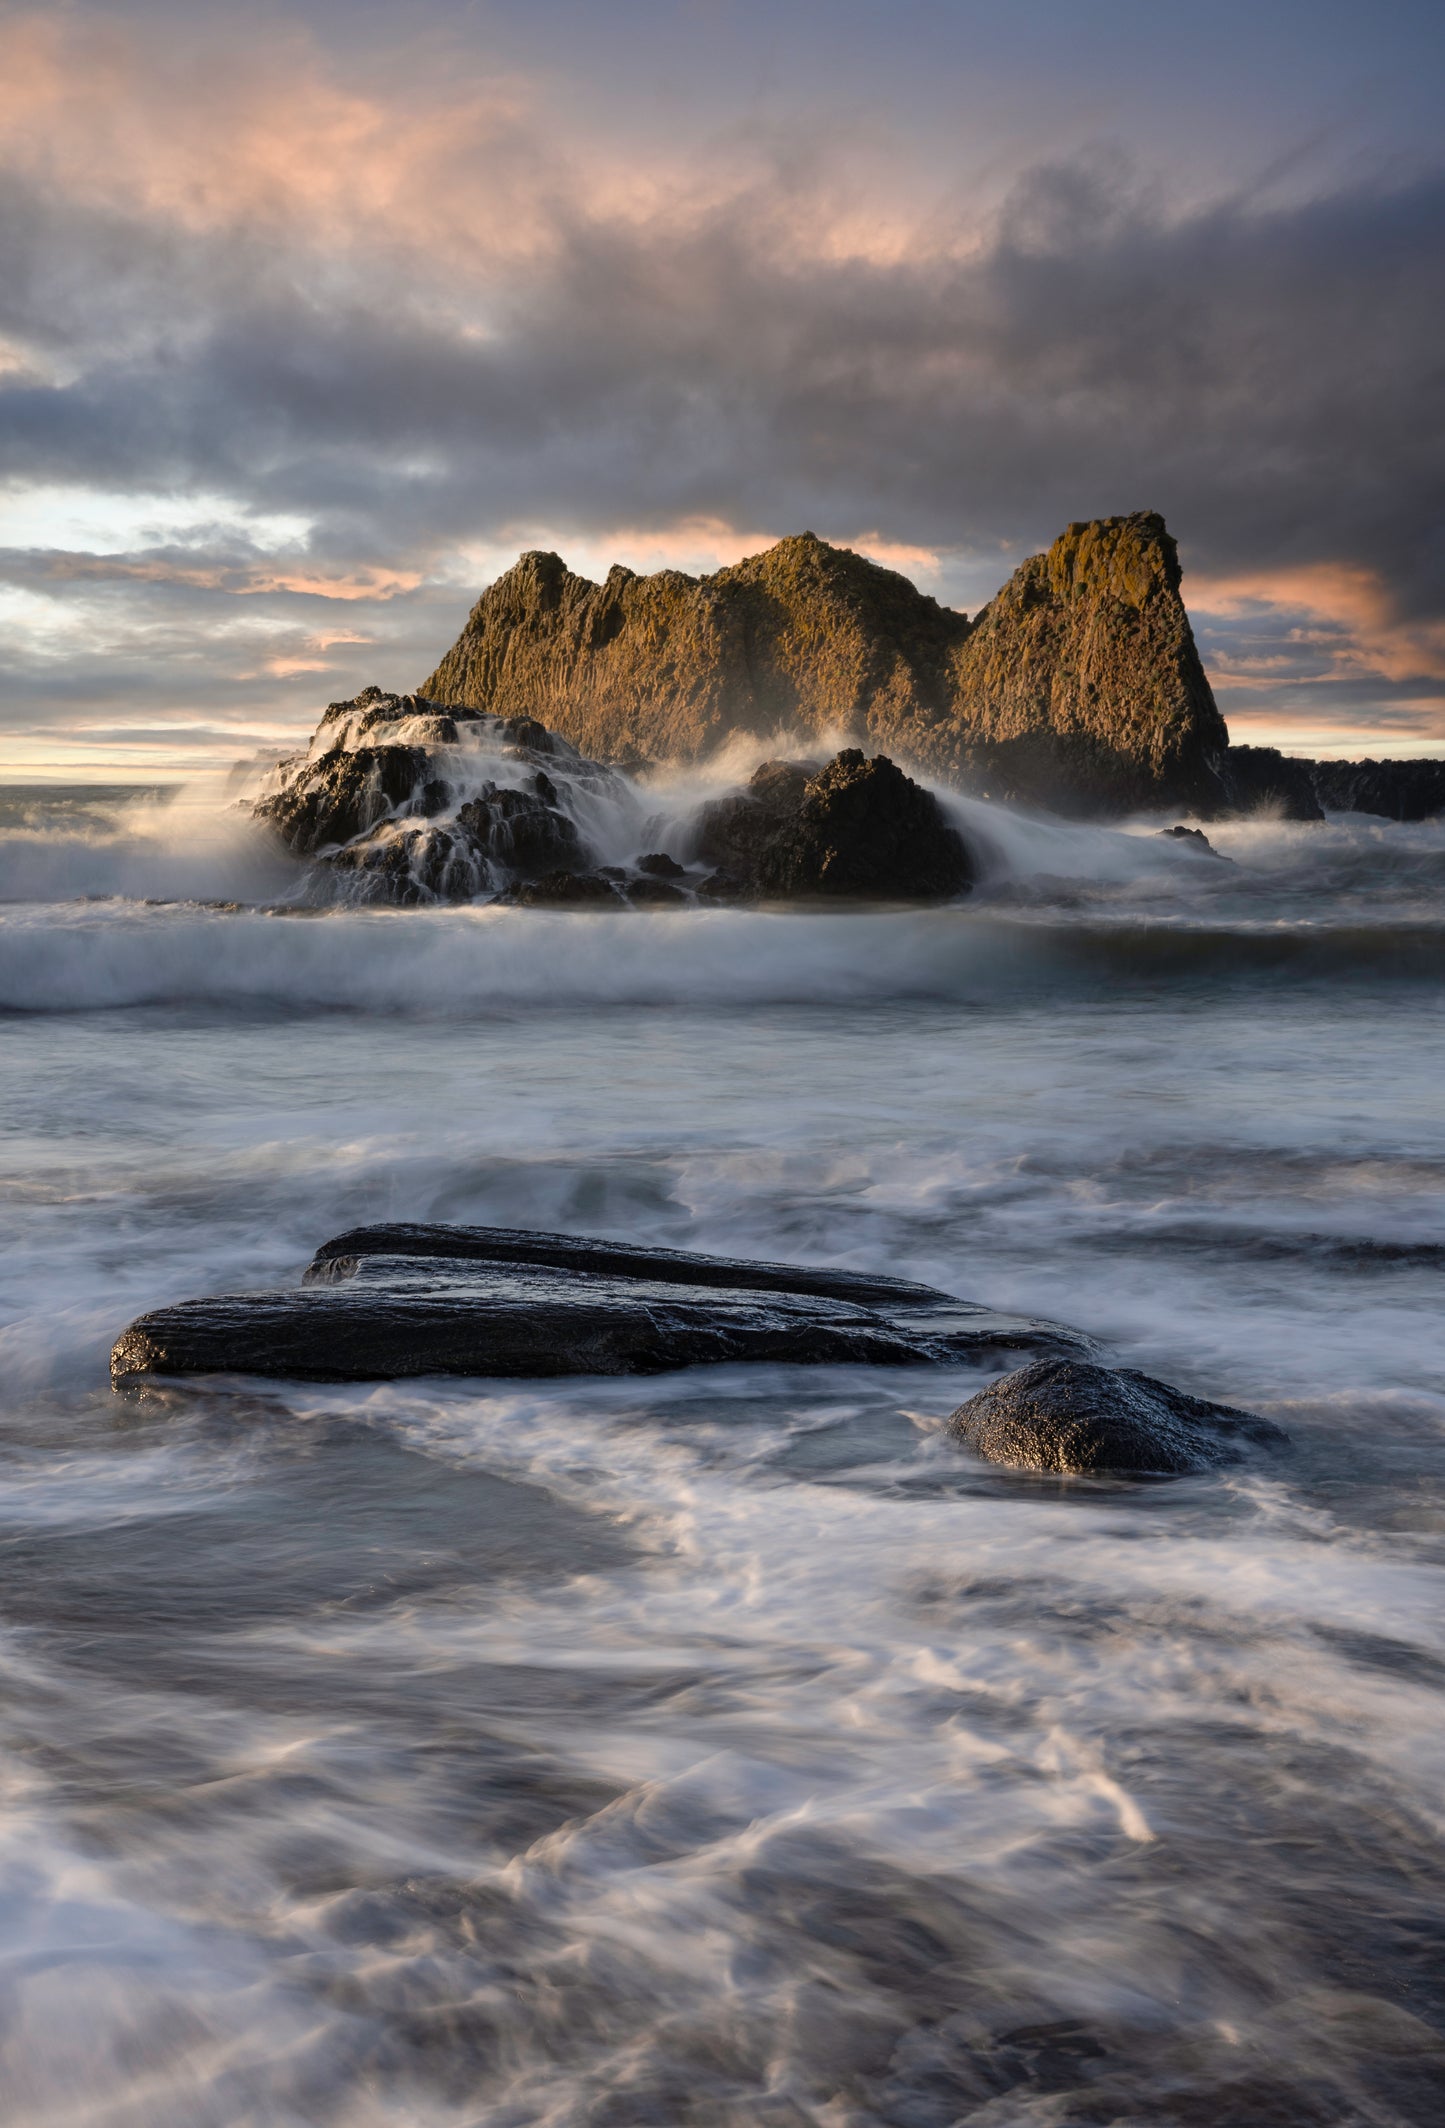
(726,1748)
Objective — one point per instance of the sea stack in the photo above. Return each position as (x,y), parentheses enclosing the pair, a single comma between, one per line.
(1078,687)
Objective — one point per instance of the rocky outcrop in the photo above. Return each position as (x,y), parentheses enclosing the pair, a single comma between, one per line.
(393,802)
(1078,687)
(1260,779)
(406,800)
(857,829)
(1394,790)
(805,636)
(865,830)
(1068,1415)
(384,1303)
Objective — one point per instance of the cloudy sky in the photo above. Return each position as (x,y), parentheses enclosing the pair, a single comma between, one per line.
(312,317)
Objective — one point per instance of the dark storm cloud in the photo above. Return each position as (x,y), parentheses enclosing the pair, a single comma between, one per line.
(1269,376)
(1273,380)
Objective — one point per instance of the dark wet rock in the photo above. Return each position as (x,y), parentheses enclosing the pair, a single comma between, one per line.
(381,762)
(619,1259)
(721,887)
(1260,779)
(645,893)
(1393,790)
(387,820)
(1196,836)
(733,832)
(856,829)
(563,890)
(373,710)
(867,831)
(529,1323)
(524,832)
(405,866)
(1068,1415)
(329,800)
(383,1303)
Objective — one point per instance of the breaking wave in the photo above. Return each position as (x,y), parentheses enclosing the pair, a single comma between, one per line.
(461,962)
(107,902)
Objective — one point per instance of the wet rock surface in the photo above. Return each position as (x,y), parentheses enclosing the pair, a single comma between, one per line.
(865,830)
(1393,790)
(343,793)
(1260,779)
(563,890)
(618,1259)
(407,801)
(1194,836)
(1069,1415)
(384,1303)
(855,829)
(1294,787)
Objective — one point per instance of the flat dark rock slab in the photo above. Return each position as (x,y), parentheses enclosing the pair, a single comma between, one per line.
(620,1259)
(365,1314)
(1068,1415)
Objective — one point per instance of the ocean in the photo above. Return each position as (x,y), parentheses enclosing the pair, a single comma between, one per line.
(726,1747)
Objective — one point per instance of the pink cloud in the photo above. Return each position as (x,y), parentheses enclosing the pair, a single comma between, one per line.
(1359,629)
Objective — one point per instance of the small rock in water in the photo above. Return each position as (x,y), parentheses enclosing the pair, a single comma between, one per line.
(660,866)
(562,890)
(1180,833)
(649,893)
(1069,1415)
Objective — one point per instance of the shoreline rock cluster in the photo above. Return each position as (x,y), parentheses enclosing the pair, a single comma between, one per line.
(395,1301)
(407,800)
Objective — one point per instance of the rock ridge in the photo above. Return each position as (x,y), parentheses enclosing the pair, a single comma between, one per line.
(1078,686)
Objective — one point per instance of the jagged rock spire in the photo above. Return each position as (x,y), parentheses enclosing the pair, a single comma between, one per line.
(1079,686)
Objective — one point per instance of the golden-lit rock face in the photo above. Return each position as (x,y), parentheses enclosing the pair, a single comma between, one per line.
(1078,686)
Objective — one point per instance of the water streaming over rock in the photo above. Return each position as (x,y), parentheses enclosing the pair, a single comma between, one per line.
(731,1746)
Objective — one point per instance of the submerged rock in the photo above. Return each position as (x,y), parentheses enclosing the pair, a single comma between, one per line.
(1069,1415)
(563,890)
(381,1303)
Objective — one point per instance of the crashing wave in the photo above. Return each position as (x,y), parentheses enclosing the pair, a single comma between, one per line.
(407,801)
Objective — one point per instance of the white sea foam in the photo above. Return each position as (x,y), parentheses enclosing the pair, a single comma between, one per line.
(729,1746)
